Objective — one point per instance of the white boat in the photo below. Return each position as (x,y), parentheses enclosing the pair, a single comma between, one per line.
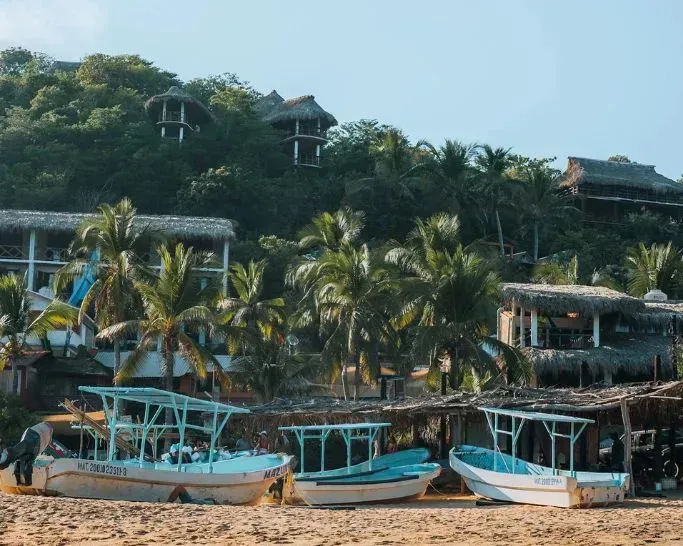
(241,480)
(494,475)
(397,476)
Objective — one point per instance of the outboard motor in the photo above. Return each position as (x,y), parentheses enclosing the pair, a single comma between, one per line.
(33,442)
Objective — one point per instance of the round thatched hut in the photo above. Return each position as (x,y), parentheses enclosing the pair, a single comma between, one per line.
(303,122)
(176,111)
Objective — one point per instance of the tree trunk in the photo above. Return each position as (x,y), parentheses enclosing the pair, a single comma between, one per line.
(15,375)
(356,376)
(535,241)
(168,385)
(499,227)
(117,358)
(345,381)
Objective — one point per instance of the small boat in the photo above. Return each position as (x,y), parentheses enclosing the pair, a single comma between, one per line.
(495,475)
(402,475)
(239,480)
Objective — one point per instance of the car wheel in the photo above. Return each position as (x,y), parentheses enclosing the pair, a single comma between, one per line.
(671,469)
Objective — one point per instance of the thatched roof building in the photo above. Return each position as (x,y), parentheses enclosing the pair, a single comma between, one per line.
(276,111)
(595,172)
(631,354)
(562,299)
(196,108)
(179,226)
(657,314)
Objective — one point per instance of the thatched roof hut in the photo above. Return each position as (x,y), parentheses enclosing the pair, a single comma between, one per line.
(561,299)
(657,314)
(194,107)
(179,226)
(596,172)
(302,108)
(267,103)
(630,354)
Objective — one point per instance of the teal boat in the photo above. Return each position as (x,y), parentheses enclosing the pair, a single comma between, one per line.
(395,476)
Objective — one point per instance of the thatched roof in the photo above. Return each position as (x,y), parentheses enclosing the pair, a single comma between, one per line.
(560,299)
(268,102)
(613,173)
(657,314)
(631,353)
(178,226)
(154,104)
(303,108)
(595,398)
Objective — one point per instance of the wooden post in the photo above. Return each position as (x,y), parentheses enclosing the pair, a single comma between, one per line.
(657,365)
(522,341)
(628,467)
(534,328)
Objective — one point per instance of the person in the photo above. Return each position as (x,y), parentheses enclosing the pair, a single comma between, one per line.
(541,458)
(33,442)
(282,443)
(392,444)
(263,446)
(617,460)
(376,448)
(243,444)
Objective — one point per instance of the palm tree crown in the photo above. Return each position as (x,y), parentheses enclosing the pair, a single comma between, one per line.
(658,267)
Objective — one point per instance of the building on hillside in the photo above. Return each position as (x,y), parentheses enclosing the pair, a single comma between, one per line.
(303,122)
(606,191)
(579,335)
(35,243)
(176,112)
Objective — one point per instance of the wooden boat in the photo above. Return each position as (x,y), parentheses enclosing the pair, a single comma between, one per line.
(241,480)
(499,476)
(397,476)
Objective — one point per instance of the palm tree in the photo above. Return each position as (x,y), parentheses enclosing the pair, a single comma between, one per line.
(105,247)
(248,312)
(450,166)
(555,273)
(657,267)
(449,294)
(328,230)
(493,164)
(541,201)
(16,325)
(352,296)
(173,303)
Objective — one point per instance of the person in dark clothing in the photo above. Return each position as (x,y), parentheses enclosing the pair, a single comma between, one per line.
(617,460)
(33,442)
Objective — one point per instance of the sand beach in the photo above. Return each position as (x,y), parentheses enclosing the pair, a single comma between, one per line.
(433,520)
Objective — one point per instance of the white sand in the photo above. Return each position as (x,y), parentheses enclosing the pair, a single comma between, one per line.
(434,520)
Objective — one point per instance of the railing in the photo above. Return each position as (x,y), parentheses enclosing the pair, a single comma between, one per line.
(13,252)
(308,131)
(633,194)
(174,116)
(307,159)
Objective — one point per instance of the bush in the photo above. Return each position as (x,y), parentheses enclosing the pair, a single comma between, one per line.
(14,418)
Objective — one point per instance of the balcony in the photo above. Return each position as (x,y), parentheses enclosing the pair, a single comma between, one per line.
(307,131)
(175,117)
(308,160)
(53,254)
(619,193)
(13,252)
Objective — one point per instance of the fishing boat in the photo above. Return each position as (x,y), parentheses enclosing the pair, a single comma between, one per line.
(395,476)
(239,480)
(495,475)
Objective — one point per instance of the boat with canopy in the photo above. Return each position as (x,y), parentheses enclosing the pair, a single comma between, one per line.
(143,477)
(492,474)
(394,476)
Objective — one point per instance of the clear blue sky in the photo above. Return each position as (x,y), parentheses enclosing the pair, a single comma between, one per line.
(546,77)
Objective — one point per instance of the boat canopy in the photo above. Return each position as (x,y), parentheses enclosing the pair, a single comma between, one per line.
(348,431)
(549,421)
(155,402)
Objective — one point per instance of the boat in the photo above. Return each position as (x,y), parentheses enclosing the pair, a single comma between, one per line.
(402,475)
(491,474)
(238,480)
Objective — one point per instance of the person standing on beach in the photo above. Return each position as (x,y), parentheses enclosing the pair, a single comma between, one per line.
(33,442)
(617,460)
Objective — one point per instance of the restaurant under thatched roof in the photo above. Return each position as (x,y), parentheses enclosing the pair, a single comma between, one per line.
(595,398)
(178,226)
(154,104)
(630,353)
(302,108)
(560,299)
(598,172)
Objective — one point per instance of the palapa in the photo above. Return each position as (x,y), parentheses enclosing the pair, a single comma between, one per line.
(302,108)
(154,104)
(179,226)
(557,300)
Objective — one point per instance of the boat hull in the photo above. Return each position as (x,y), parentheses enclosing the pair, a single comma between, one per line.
(364,489)
(118,480)
(538,485)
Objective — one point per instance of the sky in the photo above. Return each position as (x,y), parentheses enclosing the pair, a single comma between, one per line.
(587,78)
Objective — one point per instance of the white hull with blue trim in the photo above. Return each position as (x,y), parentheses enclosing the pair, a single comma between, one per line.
(535,484)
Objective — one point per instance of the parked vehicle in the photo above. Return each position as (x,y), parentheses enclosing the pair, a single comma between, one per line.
(643,452)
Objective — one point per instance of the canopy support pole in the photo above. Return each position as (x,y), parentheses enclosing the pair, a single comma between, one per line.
(627,445)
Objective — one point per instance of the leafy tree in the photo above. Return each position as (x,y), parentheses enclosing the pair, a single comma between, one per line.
(107,248)
(330,230)
(493,164)
(658,267)
(14,419)
(448,296)
(17,327)
(556,273)
(131,71)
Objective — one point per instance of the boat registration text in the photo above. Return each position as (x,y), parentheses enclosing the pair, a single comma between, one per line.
(102,468)
(275,472)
